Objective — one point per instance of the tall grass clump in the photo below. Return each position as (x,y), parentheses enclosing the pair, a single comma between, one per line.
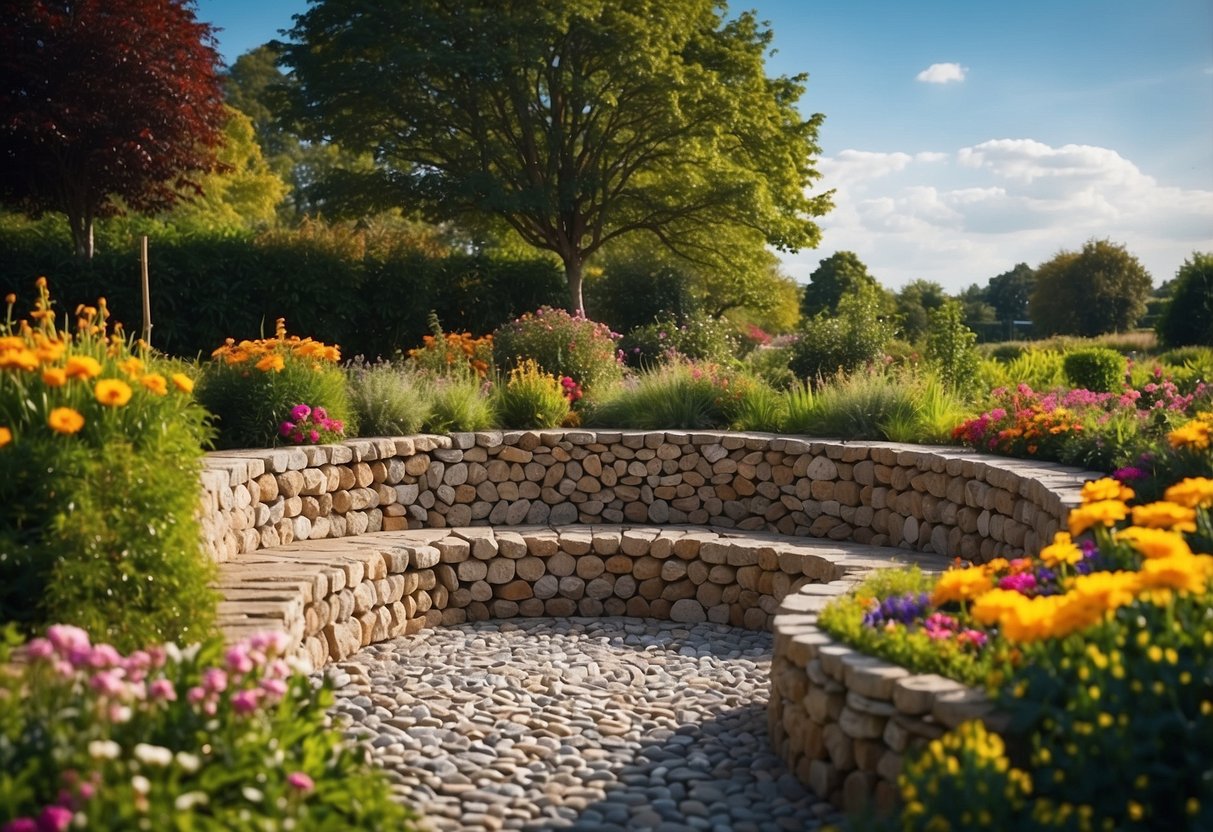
(531,398)
(458,402)
(386,399)
(100,453)
(678,395)
(252,387)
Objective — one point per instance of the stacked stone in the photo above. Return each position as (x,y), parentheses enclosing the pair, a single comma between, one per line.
(844,721)
(333,597)
(934,500)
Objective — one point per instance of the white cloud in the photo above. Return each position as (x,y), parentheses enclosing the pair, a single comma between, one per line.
(963,217)
(942,74)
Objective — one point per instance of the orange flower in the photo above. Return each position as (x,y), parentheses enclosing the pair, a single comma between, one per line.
(183,382)
(54,377)
(1193,492)
(82,367)
(271,363)
(65,420)
(112,392)
(1103,512)
(1195,435)
(1106,489)
(131,366)
(1155,543)
(155,383)
(1165,515)
(6,436)
(22,359)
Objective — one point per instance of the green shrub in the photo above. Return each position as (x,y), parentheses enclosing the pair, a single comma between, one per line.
(952,348)
(760,408)
(1187,319)
(163,738)
(770,364)
(561,344)
(852,339)
(631,292)
(676,395)
(1040,369)
(386,399)
(457,403)
(100,454)
(1098,369)
(698,338)
(251,387)
(531,398)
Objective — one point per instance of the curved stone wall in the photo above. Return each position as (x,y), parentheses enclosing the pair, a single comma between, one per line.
(942,500)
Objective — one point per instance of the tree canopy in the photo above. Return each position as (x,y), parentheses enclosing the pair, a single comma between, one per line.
(1102,288)
(840,274)
(105,104)
(1187,319)
(576,121)
(1010,292)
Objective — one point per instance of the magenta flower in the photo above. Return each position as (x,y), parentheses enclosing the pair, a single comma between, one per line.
(300,412)
(39,648)
(285,429)
(320,414)
(214,680)
(246,701)
(54,819)
(162,690)
(20,825)
(238,659)
(300,781)
(1022,582)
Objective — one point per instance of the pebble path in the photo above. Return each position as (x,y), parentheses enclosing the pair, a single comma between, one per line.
(601,724)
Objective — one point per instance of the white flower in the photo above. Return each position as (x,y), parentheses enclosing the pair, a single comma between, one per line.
(189,800)
(104,750)
(141,784)
(153,755)
(252,795)
(189,763)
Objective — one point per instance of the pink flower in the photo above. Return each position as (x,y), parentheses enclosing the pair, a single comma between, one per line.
(274,688)
(54,819)
(104,655)
(269,641)
(320,414)
(162,689)
(108,683)
(195,695)
(299,780)
(20,825)
(313,436)
(285,429)
(214,680)
(66,638)
(1022,582)
(39,648)
(300,412)
(246,701)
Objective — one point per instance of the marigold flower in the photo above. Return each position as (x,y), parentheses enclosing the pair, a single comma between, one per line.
(1165,515)
(112,392)
(1184,573)
(1155,543)
(1193,492)
(1106,489)
(1103,512)
(82,367)
(65,420)
(961,585)
(271,363)
(155,383)
(1061,550)
(6,436)
(183,382)
(131,366)
(1193,435)
(21,359)
(54,377)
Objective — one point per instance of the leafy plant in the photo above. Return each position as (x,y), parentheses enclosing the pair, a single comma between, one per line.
(677,395)
(387,399)
(251,385)
(446,353)
(457,403)
(696,338)
(197,738)
(951,347)
(531,398)
(1095,368)
(852,339)
(560,344)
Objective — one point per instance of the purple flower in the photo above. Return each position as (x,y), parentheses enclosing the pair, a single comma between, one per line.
(901,609)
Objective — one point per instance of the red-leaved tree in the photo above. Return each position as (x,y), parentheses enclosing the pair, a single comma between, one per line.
(105,105)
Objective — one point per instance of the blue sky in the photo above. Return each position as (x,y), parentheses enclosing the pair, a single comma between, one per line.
(965,137)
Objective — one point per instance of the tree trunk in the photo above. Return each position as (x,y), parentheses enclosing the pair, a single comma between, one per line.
(572,274)
(82,236)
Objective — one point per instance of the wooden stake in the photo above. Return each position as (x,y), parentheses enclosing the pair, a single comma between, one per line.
(147,303)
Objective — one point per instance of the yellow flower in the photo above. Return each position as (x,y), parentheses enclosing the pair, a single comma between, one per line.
(6,436)
(82,367)
(961,585)
(183,382)
(54,377)
(1061,550)
(65,420)
(1195,435)
(271,363)
(1165,515)
(155,383)
(112,392)
(1193,492)
(1106,489)
(131,366)
(1185,573)
(21,359)
(1155,543)
(1103,512)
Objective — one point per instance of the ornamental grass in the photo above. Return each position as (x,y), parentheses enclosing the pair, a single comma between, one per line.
(1099,649)
(100,452)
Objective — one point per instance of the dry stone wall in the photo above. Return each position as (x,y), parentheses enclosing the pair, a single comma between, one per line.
(941,500)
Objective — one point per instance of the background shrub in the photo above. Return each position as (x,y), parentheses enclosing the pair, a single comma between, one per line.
(1098,369)
(561,344)
(386,399)
(853,338)
(1187,319)
(952,348)
(698,338)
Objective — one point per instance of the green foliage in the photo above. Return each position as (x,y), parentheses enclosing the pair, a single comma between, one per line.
(531,398)
(836,277)
(557,118)
(251,388)
(770,365)
(916,302)
(1010,292)
(561,344)
(951,348)
(1096,368)
(386,399)
(633,290)
(875,405)
(207,740)
(853,338)
(677,395)
(1040,369)
(99,465)
(1188,317)
(457,403)
(1101,289)
(698,338)
(760,408)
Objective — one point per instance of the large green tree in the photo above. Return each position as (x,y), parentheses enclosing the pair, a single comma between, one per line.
(1102,288)
(1187,318)
(835,277)
(915,303)
(576,121)
(1010,292)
